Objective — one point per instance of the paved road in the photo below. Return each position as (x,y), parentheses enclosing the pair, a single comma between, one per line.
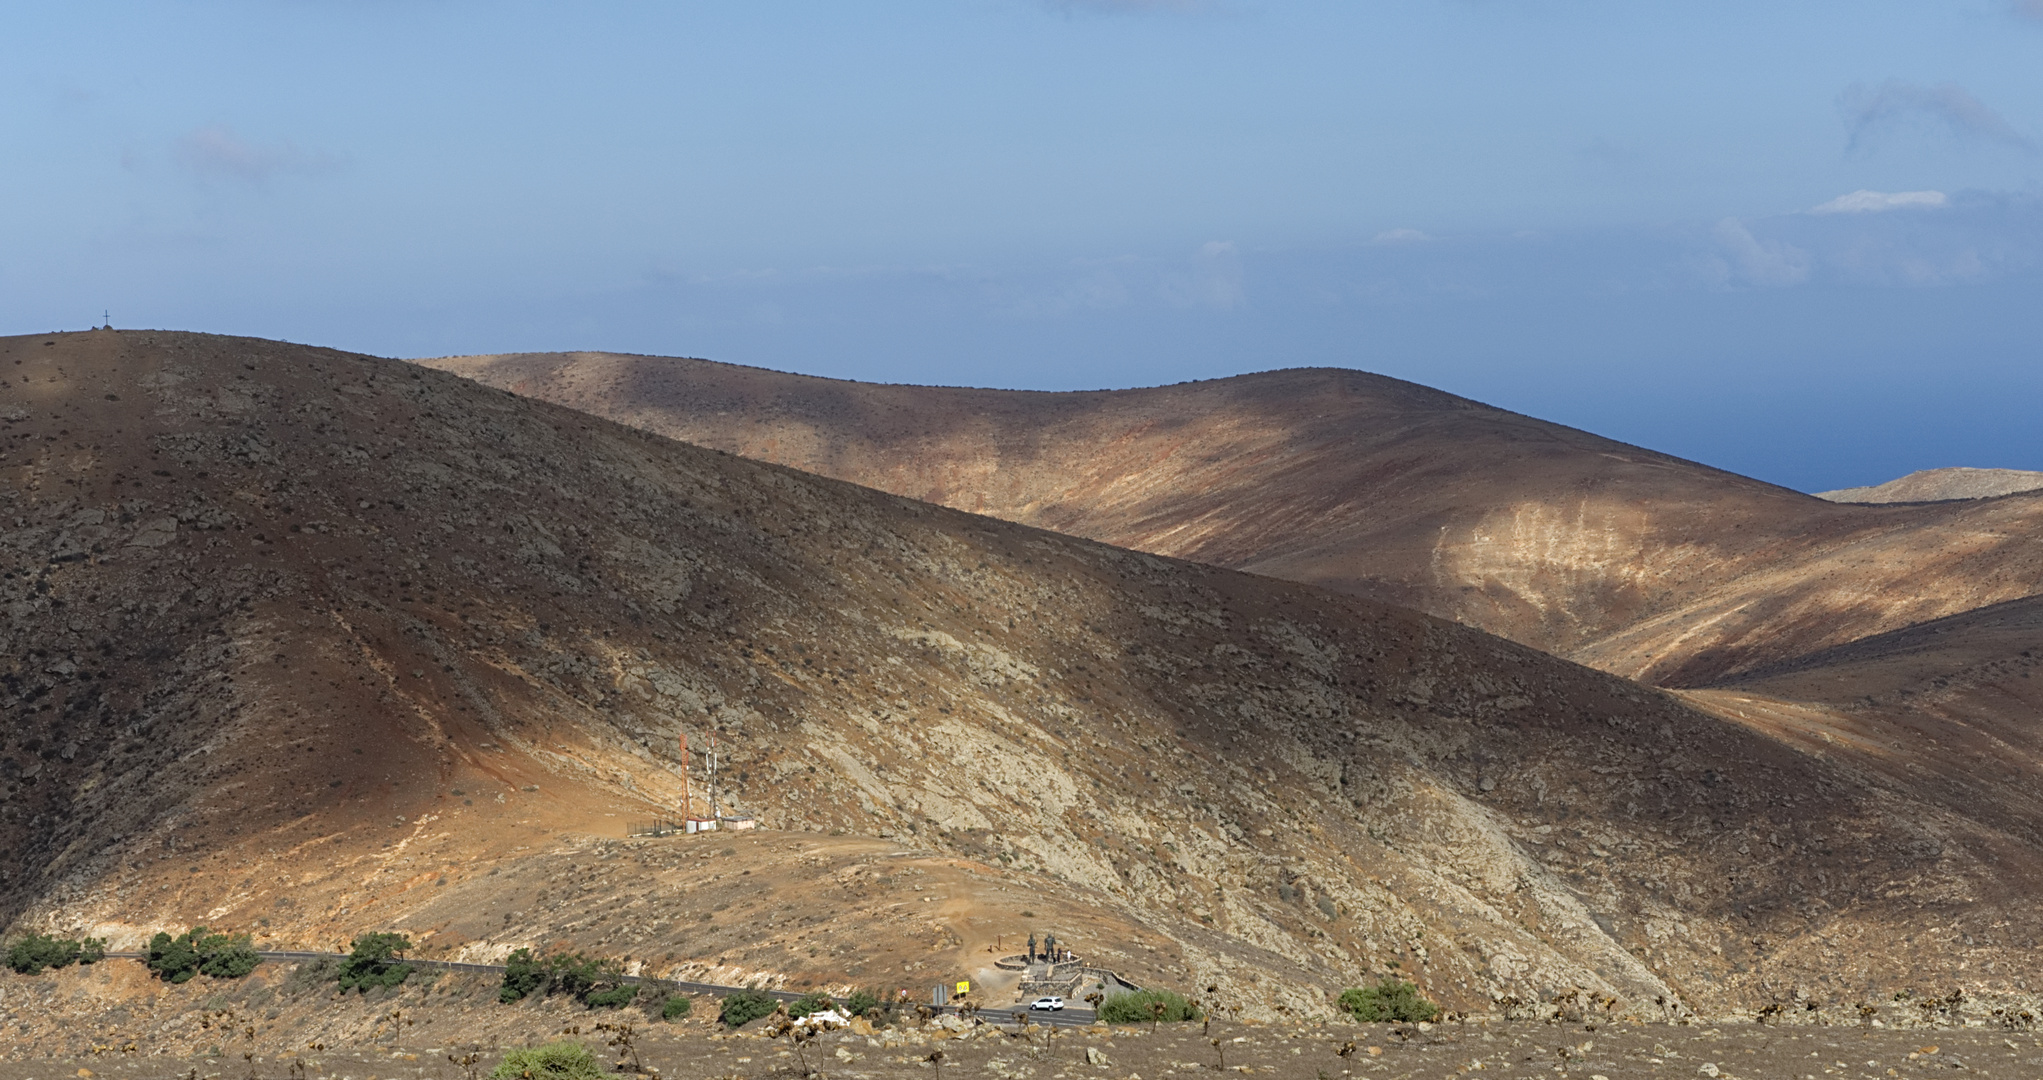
(1016,1014)
(1067,1017)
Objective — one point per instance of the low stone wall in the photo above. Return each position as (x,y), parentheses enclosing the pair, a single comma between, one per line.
(1113,980)
(1066,979)
(1048,987)
(1070,979)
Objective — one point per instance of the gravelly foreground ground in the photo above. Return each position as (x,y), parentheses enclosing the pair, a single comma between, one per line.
(1500,1049)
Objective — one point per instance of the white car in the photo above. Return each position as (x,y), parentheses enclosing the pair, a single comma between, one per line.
(1046,1004)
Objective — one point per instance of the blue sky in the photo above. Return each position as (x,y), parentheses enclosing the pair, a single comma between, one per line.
(1801,240)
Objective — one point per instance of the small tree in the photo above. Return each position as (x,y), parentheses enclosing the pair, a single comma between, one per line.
(810,1003)
(199,952)
(595,982)
(576,974)
(860,1002)
(32,954)
(676,1007)
(523,975)
(375,960)
(745,1006)
(227,957)
(616,997)
(1391,1000)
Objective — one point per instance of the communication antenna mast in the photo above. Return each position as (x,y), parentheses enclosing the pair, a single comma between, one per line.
(687,799)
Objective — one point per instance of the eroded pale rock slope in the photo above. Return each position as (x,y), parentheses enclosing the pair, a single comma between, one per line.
(1941,485)
(308,643)
(1617,556)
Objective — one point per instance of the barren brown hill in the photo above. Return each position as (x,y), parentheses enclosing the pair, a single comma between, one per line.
(308,643)
(1941,485)
(1949,706)
(1626,559)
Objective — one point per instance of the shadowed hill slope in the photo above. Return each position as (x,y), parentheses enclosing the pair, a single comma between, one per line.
(1941,485)
(1949,707)
(309,643)
(1630,560)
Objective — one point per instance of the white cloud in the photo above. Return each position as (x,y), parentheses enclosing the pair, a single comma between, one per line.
(217,151)
(1769,263)
(1872,202)
(1399,236)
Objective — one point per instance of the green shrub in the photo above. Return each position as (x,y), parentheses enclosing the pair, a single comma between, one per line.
(860,1002)
(563,1060)
(174,959)
(676,1007)
(593,982)
(1139,1007)
(617,997)
(745,1006)
(226,957)
(579,976)
(375,960)
(810,1003)
(32,954)
(879,1010)
(37,952)
(198,952)
(1391,1000)
(524,975)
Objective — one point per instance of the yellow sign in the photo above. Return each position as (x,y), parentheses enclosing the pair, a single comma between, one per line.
(965,987)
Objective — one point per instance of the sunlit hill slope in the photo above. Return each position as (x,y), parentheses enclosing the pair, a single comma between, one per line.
(307,643)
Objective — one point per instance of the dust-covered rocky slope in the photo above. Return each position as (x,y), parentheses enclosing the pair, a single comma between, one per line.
(1626,559)
(1941,485)
(308,643)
